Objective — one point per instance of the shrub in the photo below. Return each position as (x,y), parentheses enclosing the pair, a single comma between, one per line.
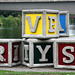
(11,26)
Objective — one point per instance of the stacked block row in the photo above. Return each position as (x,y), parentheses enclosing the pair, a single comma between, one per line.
(44,23)
(59,52)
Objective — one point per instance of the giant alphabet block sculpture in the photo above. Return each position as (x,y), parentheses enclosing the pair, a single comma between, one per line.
(64,53)
(37,53)
(10,52)
(40,23)
(64,23)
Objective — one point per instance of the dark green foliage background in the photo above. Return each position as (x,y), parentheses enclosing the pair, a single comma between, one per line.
(10,24)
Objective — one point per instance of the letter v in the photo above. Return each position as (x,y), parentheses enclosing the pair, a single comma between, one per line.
(33,29)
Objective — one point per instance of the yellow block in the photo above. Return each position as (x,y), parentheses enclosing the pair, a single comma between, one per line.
(47,24)
(33,19)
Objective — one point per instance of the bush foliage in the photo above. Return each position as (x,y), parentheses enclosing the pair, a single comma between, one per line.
(10,25)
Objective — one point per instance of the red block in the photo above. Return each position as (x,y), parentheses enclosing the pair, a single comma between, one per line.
(64,53)
(10,52)
(61,55)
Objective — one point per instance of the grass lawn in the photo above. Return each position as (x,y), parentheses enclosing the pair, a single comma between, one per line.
(34,73)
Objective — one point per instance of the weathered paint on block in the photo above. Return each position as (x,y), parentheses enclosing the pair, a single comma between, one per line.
(10,50)
(37,53)
(64,53)
(40,23)
(64,22)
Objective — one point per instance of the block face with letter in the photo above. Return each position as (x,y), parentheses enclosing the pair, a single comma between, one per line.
(40,23)
(64,56)
(51,24)
(26,52)
(10,52)
(3,53)
(16,52)
(64,23)
(38,53)
(33,23)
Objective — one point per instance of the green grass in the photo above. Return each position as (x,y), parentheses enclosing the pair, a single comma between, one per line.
(33,73)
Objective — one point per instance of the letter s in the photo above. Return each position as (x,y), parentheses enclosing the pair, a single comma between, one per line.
(68,54)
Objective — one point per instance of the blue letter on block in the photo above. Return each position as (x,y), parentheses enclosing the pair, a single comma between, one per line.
(62,19)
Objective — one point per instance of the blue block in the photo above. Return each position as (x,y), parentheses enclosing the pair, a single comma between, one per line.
(62,19)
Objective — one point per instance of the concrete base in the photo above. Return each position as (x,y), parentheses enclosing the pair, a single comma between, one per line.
(26,69)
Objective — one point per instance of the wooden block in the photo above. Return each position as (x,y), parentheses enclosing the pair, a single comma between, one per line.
(64,53)
(37,53)
(10,52)
(40,23)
